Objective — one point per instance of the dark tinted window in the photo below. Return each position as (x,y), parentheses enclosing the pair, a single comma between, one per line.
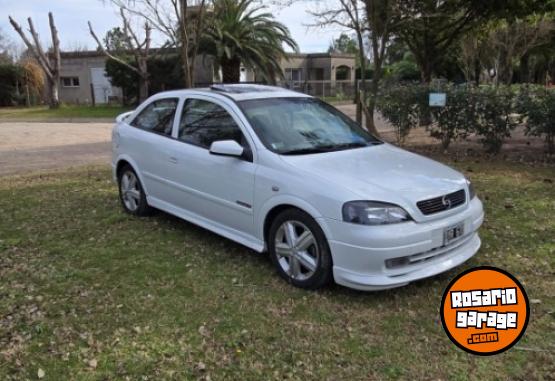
(203,123)
(157,117)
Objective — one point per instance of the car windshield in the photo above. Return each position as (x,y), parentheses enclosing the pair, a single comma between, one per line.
(296,126)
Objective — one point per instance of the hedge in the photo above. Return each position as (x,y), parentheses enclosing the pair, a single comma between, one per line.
(491,113)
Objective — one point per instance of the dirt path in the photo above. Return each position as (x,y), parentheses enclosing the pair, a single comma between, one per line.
(28,146)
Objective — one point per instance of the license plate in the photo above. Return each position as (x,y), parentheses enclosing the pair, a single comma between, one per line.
(453,233)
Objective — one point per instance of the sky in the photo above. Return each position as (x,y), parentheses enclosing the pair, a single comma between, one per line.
(71,18)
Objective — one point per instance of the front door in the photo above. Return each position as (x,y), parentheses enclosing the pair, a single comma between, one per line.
(218,188)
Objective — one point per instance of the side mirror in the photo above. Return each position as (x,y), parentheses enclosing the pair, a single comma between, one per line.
(226,148)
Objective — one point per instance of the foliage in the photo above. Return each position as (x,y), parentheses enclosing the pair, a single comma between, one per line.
(344,44)
(487,111)
(33,81)
(537,105)
(164,74)
(124,78)
(405,69)
(401,105)
(241,33)
(116,41)
(457,119)
(495,116)
(10,76)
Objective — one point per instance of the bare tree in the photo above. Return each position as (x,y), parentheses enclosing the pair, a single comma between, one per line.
(375,20)
(181,21)
(383,18)
(139,49)
(347,14)
(50,63)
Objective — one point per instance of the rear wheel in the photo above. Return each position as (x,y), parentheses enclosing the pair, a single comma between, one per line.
(131,193)
(299,250)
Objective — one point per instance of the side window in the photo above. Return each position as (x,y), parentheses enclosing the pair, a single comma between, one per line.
(157,117)
(203,123)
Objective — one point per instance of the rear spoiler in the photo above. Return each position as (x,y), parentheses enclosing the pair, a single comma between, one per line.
(122,117)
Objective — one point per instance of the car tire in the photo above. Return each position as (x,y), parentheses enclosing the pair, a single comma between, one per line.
(131,193)
(299,250)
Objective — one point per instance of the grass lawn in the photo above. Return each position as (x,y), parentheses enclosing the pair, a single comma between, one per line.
(90,293)
(65,111)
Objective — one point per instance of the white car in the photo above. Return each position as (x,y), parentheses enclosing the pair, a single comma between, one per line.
(283,172)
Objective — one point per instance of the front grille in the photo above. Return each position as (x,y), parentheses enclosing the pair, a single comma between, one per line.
(439,204)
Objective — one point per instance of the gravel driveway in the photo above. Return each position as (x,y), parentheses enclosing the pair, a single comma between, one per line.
(29,146)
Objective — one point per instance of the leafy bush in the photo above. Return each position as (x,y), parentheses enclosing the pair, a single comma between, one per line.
(458,118)
(537,106)
(401,104)
(495,116)
(10,76)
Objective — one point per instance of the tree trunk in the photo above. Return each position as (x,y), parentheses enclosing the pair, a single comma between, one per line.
(231,70)
(143,89)
(426,72)
(369,111)
(53,96)
(525,68)
(477,70)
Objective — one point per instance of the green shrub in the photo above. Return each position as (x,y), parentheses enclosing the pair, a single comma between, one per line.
(458,118)
(537,106)
(10,76)
(401,104)
(495,116)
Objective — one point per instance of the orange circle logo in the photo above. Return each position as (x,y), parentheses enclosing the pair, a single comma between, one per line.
(485,310)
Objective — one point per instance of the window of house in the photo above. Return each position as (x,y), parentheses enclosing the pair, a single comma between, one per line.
(204,122)
(157,117)
(70,81)
(293,74)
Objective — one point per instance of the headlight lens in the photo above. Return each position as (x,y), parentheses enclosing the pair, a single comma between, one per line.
(471,191)
(373,213)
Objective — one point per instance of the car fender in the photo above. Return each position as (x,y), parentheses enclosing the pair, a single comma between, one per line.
(287,199)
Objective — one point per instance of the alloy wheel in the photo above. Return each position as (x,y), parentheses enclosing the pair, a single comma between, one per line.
(296,250)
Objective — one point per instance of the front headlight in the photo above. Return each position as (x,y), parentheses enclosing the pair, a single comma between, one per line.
(471,191)
(373,213)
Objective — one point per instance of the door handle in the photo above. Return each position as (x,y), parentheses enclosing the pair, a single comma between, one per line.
(173,160)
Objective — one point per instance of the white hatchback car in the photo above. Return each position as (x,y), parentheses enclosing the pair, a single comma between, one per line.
(286,173)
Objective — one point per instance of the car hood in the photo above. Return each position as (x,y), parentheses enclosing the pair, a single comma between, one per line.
(382,173)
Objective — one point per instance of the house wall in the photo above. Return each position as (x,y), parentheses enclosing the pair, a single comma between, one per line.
(81,67)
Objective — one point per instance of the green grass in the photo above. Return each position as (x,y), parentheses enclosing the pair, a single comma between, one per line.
(83,284)
(65,111)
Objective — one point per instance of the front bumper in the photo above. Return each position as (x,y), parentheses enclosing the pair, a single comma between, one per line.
(360,252)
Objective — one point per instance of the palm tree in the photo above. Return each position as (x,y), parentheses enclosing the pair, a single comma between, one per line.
(240,33)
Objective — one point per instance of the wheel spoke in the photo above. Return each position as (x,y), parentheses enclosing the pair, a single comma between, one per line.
(290,234)
(132,182)
(283,250)
(134,194)
(125,182)
(304,241)
(307,261)
(294,267)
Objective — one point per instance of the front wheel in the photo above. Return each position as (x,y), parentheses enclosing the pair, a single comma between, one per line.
(299,250)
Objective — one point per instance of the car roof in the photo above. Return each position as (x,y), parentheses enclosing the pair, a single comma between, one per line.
(240,92)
